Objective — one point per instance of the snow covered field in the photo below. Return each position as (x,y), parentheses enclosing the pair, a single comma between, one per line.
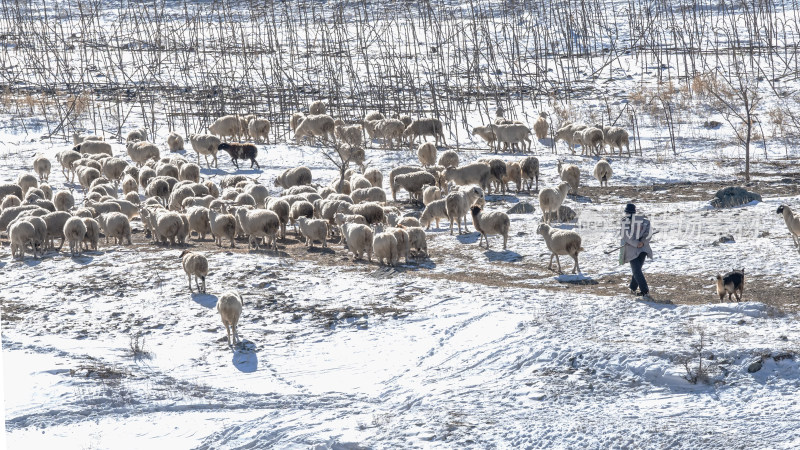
(470,348)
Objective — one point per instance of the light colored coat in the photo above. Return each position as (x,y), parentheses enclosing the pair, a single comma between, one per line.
(633,230)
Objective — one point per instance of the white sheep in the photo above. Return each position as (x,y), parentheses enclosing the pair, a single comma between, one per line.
(77,138)
(229,307)
(489,223)
(139,134)
(86,175)
(317,107)
(541,126)
(373,194)
(567,133)
(74,232)
(93,148)
(561,242)
(358,181)
(11,201)
(426,152)
(226,126)
(295,121)
(400,170)
(615,137)
(474,173)
(433,211)
(320,125)
(206,145)
(313,230)
(115,225)
(41,165)
(448,159)
(571,174)
(792,223)
(197,265)
(297,176)
(142,151)
(66,158)
(384,247)
(175,142)
(10,189)
(168,226)
(486,133)
(27,181)
(413,183)
(550,200)
(259,223)
(425,127)
(390,130)
(352,135)
(22,233)
(431,193)
(222,226)
(458,204)
(92,237)
(403,243)
(359,239)
(189,172)
(513,173)
(417,240)
(602,171)
(282,209)
(591,140)
(259,129)
(513,134)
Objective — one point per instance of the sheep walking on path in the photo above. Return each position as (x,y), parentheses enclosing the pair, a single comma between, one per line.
(197,265)
(561,242)
(229,307)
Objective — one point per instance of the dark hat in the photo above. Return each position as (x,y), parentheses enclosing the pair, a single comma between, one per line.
(630,208)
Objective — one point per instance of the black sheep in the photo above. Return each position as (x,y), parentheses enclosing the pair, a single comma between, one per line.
(241,151)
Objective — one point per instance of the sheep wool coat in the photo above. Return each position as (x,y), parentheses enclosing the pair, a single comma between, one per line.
(634,229)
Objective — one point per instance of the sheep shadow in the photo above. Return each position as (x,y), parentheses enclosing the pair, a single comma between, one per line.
(508,198)
(547,142)
(32,262)
(576,279)
(205,300)
(321,250)
(245,358)
(505,256)
(82,259)
(580,198)
(469,238)
(3,264)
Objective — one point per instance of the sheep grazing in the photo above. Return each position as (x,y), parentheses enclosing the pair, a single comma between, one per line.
(339,219)
(10,189)
(189,172)
(602,171)
(591,140)
(389,130)
(448,159)
(372,212)
(86,175)
(403,245)
(11,201)
(74,231)
(114,169)
(139,134)
(22,233)
(26,181)
(142,151)
(475,173)
(792,223)
(567,133)
(222,226)
(168,226)
(11,213)
(400,171)
(66,158)
(413,183)
(497,171)
(352,135)
(320,125)
(430,194)
(206,145)
(615,137)
(229,307)
(489,223)
(530,171)
(540,127)
(92,237)
(259,129)
(300,209)
(198,221)
(197,265)
(282,209)
(374,115)
(374,176)
(486,134)
(241,151)
(550,201)
(297,176)
(313,230)
(93,147)
(317,107)
(41,166)
(571,174)
(296,120)
(732,284)
(426,152)
(175,142)
(352,154)
(513,173)
(512,135)
(425,127)
(373,194)
(226,126)
(561,242)
(359,239)
(417,240)
(384,247)
(55,222)
(458,203)
(115,225)
(77,138)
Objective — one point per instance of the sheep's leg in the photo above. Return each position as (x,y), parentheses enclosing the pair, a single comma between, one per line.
(558,261)
(451,225)
(190,282)
(550,266)
(505,242)
(228,330)
(487,240)
(577,267)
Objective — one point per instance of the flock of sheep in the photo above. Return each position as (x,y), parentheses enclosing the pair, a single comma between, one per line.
(169,197)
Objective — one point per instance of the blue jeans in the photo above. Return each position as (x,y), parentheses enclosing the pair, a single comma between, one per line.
(637,280)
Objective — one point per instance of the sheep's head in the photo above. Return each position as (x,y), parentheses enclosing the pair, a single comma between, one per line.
(543,114)
(77,148)
(184,253)
(780,209)
(543,229)
(475,209)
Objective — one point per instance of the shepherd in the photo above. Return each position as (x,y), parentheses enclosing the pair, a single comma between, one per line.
(635,248)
